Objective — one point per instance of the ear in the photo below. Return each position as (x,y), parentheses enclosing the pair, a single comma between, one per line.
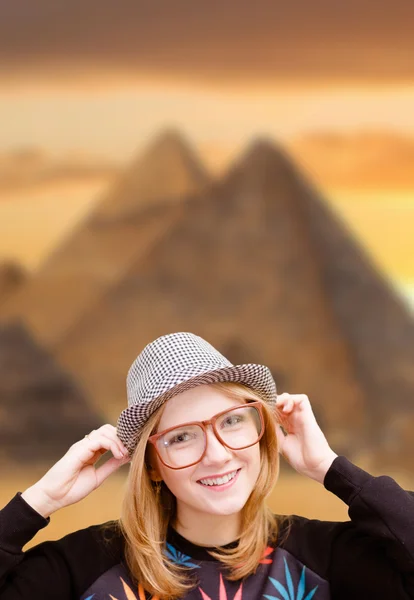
(151,464)
(153,474)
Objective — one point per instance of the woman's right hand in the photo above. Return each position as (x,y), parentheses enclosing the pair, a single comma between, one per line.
(74,476)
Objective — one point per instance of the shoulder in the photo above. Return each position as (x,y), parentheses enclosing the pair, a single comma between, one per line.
(103,539)
(310,540)
(61,568)
(294,529)
(84,555)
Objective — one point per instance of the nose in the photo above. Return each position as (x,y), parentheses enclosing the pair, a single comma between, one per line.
(216,452)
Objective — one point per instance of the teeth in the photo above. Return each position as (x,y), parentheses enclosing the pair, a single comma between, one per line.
(219,480)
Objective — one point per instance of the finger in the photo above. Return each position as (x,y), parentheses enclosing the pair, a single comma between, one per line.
(109,432)
(286,404)
(282,398)
(282,419)
(97,443)
(111,465)
(280,403)
(114,439)
(289,404)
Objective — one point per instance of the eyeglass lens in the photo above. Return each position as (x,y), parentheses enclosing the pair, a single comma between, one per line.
(236,428)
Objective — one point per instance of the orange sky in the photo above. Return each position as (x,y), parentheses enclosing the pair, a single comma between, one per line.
(116,120)
(97,79)
(103,77)
(358,40)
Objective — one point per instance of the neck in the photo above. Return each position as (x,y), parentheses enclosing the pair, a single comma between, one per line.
(208,530)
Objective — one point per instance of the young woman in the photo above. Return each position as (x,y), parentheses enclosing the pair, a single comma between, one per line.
(203,439)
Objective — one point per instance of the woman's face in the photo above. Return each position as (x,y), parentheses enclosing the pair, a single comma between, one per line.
(193,496)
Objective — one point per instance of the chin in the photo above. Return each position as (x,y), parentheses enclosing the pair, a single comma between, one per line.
(228,506)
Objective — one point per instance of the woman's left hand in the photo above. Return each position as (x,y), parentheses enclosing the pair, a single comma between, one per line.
(304,447)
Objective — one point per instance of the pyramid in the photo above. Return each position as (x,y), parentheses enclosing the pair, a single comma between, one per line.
(255,265)
(100,250)
(43,411)
(377,327)
(12,277)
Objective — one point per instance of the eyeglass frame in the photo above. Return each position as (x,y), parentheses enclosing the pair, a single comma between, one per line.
(203,424)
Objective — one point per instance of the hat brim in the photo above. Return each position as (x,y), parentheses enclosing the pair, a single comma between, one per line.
(133,418)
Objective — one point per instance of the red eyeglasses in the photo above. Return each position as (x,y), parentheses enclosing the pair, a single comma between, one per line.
(185,445)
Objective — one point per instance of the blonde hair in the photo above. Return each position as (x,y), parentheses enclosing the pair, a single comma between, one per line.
(145,516)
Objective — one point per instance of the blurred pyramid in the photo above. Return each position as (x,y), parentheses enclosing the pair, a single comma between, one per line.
(262,269)
(258,265)
(100,250)
(12,277)
(377,328)
(42,411)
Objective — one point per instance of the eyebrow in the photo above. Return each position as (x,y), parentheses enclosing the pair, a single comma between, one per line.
(200,420)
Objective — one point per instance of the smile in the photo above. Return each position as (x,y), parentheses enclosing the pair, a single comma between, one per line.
(219,480)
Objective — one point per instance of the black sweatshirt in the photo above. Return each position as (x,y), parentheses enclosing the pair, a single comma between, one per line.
(369,557)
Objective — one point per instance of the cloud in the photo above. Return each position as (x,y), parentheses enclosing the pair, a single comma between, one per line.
(32,168)
(211,40)
(359,159)
(365,159)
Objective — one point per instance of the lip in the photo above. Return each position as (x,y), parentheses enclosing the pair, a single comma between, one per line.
(215,476)
(224,486)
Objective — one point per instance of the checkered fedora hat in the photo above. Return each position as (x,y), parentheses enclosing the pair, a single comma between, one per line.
(174,363)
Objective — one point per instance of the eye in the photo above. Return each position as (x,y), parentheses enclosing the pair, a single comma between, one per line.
(231,420)
(180,438)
